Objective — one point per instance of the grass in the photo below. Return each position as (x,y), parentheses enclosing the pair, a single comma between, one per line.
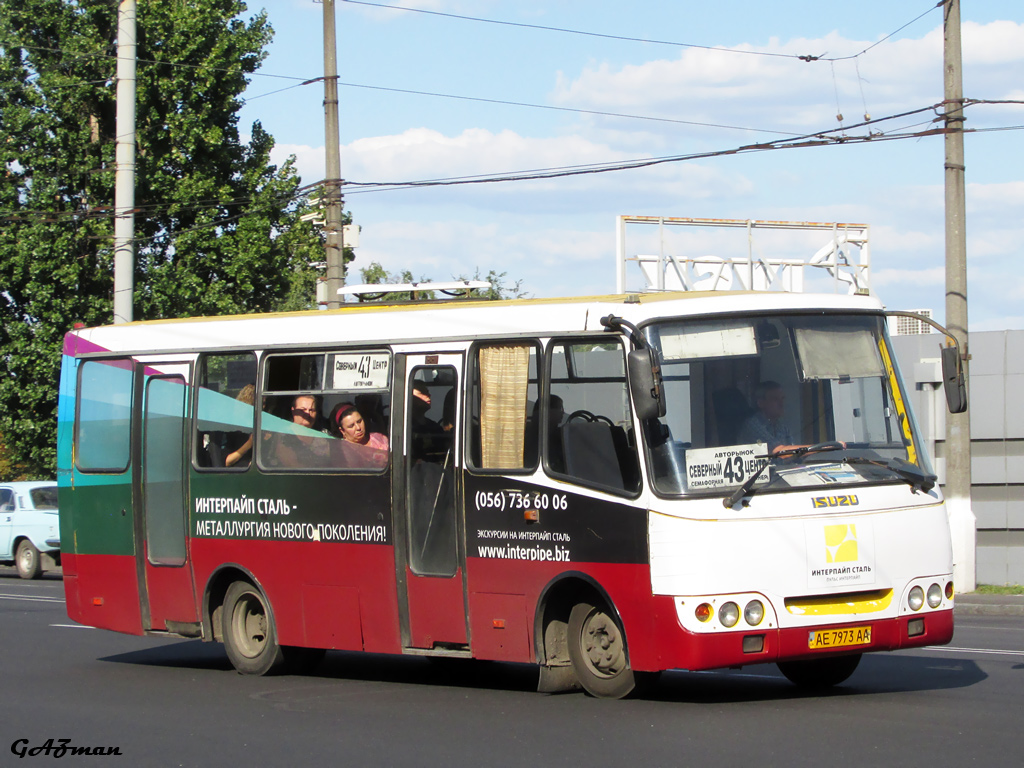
(996,589)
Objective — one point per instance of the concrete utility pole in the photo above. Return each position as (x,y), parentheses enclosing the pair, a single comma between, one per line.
(958,425)
(332,184)
(124,184)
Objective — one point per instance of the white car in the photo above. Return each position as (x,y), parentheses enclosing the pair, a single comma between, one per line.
(29,526)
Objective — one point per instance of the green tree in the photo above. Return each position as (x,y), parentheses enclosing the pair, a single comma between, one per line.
(218,226)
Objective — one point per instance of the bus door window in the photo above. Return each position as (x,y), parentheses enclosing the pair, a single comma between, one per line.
(164,471)
(506,411)
(225,402)
(595,444)
(431,472)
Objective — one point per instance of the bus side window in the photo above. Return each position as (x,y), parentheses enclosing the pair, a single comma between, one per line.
(225,411)
(103,434)
(594,444)
(305,397)
(505,407)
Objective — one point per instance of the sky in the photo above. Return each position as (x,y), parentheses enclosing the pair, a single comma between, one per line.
(517,88)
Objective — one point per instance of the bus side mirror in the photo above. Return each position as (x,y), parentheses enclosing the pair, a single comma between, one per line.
(953,380)
(645,383)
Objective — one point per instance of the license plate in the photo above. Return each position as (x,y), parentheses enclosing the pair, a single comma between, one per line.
(839,638)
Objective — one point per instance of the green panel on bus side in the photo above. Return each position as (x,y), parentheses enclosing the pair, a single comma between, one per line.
(97,518)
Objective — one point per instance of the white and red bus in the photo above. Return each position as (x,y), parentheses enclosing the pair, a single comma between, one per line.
(603,487)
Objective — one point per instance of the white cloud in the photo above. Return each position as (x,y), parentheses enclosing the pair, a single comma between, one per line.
(888,278)
(776,93)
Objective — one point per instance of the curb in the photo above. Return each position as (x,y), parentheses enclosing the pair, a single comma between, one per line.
(988,605)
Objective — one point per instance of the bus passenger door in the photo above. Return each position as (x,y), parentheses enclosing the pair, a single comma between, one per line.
(428,494)
(168,596)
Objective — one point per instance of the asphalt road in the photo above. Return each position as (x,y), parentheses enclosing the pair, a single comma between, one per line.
(179,703)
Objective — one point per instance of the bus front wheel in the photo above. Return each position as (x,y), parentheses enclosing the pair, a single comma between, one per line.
(249,635)
(817,674)
(597,648)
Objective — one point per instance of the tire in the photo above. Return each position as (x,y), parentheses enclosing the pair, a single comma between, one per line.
(248,630)
(818,674)
(28,560)
(597,648)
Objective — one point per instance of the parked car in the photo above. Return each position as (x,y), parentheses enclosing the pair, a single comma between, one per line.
(29,526)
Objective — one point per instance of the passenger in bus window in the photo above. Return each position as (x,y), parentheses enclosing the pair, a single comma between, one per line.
(303,450)
(429,441)
(239,444)
(448,412)
(347,422)
(766,424)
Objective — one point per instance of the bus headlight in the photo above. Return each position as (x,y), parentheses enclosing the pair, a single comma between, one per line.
(753,612)
(915,599)
(934,595)
(729,614)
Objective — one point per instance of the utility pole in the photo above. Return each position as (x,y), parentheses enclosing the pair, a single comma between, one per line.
(332,184)
(124,183)
(958,425)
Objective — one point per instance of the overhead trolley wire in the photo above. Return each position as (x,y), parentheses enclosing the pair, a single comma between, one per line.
(675,44)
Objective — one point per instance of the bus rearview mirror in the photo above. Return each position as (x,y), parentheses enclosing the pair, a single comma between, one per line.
(953,380)
(645,383)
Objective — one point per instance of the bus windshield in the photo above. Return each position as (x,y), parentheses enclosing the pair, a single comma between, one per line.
(818,397)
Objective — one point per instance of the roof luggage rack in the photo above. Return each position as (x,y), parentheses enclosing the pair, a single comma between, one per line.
(460,289)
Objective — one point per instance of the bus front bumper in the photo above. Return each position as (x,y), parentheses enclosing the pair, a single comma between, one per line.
(694,651)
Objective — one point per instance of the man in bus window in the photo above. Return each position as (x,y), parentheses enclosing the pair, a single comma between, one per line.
(304,449)
(766,424)
(429,441)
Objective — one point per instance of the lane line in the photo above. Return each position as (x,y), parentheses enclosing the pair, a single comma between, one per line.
(72,626)
(990,651)
(30,598)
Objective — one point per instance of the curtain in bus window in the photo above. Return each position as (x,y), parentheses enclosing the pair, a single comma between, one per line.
(504,377)
(104,416)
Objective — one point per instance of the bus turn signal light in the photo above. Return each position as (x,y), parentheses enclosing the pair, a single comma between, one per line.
(703,612)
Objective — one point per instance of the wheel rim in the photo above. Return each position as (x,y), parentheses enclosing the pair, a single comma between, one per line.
(602,645)
(25,559)
(249,623)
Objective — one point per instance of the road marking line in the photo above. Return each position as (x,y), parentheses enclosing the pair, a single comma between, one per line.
(72,626)
(993,651)
(37,599)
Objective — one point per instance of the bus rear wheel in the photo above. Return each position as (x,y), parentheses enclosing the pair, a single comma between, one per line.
(817,674)
(597,648)
(248,630)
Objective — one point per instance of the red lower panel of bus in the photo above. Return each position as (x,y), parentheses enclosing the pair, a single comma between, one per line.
(325,595)
(437,610)
(504,593)
(102,591)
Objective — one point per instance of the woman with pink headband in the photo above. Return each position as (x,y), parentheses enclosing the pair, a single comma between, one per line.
(347,423)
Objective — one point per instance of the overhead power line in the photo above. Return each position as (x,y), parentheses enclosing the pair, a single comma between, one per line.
(674,44)
(817,139)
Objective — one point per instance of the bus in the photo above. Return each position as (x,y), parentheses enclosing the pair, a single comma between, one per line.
(605,487)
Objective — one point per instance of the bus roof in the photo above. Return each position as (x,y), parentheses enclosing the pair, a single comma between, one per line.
(368,323)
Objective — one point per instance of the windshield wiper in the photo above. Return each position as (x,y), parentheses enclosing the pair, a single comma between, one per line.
(747,489)
(913,475)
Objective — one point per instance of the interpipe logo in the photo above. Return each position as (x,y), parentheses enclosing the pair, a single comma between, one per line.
(841,544)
